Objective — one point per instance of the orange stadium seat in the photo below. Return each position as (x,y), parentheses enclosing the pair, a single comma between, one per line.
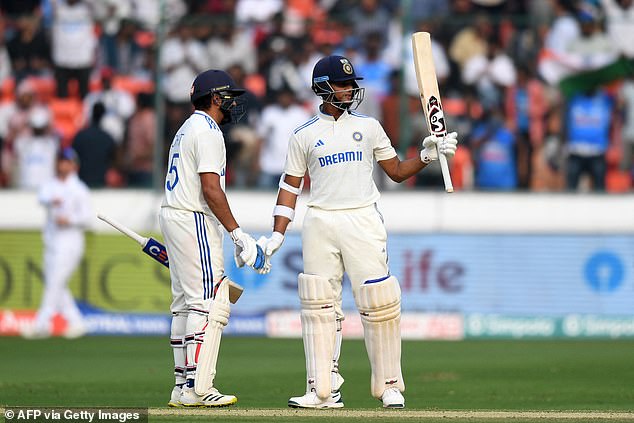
(132,85)
(44,87)
(67,117)
(256,84)
(7,88)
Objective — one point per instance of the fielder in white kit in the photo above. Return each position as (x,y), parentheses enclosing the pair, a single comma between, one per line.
(68,212)
(343,230)
(192,217)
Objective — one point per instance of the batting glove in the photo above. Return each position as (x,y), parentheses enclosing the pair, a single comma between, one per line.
(446,145)
(273,243)
(246,250)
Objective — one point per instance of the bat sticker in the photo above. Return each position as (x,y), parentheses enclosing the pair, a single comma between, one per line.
(436,116)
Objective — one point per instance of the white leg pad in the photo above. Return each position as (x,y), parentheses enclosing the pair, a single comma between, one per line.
(208,354)
(177,341)
(379,304)
(318,330)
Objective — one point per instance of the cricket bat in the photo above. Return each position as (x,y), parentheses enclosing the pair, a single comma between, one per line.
(158,252)
(430,96)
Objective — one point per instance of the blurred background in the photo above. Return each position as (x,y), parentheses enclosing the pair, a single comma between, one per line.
(537,240)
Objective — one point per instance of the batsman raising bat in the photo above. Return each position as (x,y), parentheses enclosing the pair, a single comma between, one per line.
(192,217)
(343,231)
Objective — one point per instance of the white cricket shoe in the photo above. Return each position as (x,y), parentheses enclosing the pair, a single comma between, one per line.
(213,398)
(175,397)
(75,331)
(33,332)
(311,400)
(392,398)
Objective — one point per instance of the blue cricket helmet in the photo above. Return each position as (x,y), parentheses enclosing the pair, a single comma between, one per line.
(213,81)
(336,69)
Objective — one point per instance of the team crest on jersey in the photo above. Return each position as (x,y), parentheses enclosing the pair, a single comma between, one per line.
(357,136)
(347,67)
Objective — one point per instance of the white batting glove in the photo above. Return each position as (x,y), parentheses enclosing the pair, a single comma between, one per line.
(266,267)
(273,243)
(246,251)
(446,145)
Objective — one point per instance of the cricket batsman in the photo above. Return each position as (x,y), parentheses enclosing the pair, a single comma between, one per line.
(343,231)
(193,217)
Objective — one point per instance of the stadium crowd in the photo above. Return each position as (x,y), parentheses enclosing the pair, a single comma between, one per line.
(540,91)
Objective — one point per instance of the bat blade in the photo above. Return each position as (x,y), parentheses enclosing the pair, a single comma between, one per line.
(430,95)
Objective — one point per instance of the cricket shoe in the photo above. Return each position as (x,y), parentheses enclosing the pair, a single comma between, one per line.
(32,332)
(392,398)
(311,400)
(75,331)
(175,397)
(213,398)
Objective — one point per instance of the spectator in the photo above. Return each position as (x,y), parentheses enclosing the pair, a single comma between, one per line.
(35,152)
(526,107)
(471,41)
(241,139)
(588,124)
(232,45)
(182,58)
(111,14)
(6,68)
(376,73)
(29,49)
(96,150)
(148,14)
(490,73)
(278,121)
(13,123)
(492,145)
(128,55)
(139,145)
(620,24)
(74,44)
(119,106)
(594,48)
(257,11)
(555,61)
(626,106)
(367,17)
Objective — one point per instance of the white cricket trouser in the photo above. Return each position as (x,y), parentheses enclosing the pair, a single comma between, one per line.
(194,246)
(62,255)
(350,240)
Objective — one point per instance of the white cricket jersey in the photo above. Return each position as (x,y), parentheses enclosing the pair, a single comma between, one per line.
(198,147)
(339,156)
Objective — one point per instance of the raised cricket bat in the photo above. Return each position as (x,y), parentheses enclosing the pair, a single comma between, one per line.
(430,96)
(157,251)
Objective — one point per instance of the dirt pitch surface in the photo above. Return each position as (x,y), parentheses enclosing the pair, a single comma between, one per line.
(400,414)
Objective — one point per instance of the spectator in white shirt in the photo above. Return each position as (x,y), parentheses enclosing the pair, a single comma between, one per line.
(74,44)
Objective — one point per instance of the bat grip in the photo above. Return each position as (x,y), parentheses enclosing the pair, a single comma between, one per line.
(444,167)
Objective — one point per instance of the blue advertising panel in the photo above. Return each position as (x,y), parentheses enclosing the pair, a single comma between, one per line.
(548,275)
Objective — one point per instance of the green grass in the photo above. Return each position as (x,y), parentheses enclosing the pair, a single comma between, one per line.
(263,373)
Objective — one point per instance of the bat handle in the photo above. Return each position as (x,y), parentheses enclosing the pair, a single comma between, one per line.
(446,176)
(123,229)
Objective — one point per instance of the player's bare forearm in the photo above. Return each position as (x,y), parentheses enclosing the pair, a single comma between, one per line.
(217,200)
(398,170)
(288,199)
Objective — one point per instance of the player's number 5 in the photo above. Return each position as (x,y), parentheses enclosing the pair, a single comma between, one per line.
(172,184)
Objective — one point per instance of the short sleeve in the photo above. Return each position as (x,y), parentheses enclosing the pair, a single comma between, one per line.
(296,160)
(383,149)
(210,150)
